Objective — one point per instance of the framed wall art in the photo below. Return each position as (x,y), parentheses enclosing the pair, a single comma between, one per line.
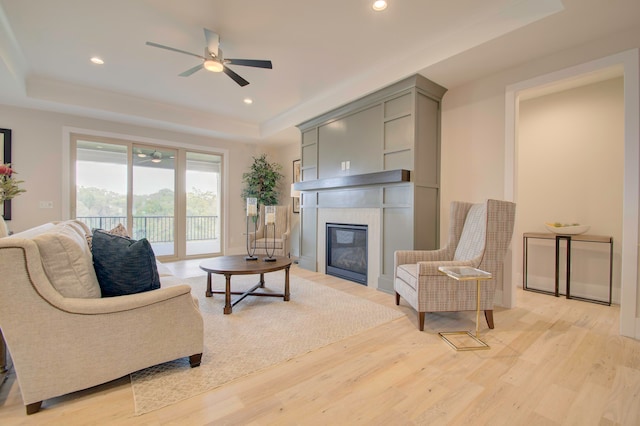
(296,178)
(5,157)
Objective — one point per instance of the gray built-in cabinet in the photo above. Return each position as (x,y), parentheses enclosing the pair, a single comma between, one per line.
(381,151)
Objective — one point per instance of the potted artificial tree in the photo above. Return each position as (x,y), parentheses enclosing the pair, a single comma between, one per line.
(260,188)
(262,181)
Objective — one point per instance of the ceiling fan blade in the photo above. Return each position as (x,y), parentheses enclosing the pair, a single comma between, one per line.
(213,41)
(173,49)
(190,71)
(250,63)
(241,81)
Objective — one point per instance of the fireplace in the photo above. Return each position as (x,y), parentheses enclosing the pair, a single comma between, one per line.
(347,252)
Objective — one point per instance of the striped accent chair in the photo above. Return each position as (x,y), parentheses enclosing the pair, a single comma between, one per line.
(282,234)
(479,236)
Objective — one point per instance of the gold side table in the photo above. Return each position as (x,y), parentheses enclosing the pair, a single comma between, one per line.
(466,273)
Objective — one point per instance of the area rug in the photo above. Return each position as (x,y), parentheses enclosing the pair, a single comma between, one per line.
(261,332)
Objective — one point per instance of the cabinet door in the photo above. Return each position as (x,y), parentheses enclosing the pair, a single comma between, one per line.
(309,155)
(356,139)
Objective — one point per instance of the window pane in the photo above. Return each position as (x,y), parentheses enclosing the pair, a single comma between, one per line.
(154,198)
(203,203)
(101,184)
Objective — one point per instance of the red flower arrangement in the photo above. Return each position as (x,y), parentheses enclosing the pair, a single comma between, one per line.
(9,185)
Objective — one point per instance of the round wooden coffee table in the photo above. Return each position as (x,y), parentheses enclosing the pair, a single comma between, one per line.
(237,265)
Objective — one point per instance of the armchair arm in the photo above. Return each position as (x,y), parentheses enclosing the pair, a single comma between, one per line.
(404,257)
(129,302)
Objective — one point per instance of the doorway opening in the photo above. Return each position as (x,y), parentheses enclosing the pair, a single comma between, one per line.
(629,245)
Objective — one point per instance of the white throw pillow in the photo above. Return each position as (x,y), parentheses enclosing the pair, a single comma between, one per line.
(67,261)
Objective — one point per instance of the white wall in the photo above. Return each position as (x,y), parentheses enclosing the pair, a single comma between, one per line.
(571,157)
(473,123)
(38,150)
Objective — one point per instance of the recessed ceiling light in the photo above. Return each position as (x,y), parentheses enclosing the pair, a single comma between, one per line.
(248,101)
(379,5)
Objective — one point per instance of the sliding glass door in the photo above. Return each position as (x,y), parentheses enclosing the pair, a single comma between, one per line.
(154,198)
(203,203)
(171,197)
(101,184)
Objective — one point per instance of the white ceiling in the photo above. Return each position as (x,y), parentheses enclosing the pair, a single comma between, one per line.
(324,54)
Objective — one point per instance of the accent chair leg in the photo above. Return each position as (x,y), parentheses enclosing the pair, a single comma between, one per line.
(397,299)
(194,360)
(421,321)
(488,314)
(33,407)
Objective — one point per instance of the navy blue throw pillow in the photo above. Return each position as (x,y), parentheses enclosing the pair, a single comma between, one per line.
(122,265)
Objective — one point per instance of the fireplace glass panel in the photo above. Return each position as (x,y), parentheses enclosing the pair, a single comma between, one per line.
(347,252)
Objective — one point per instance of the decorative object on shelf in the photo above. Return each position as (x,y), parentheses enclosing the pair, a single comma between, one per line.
(252,216)
(295,194)
(567,228)
(270,222)
(262,181)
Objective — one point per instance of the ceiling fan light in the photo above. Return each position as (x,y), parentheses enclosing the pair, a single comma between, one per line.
(213,66)
(379,5)
(156,160)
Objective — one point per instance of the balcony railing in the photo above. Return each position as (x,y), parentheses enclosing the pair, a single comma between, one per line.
(159,229)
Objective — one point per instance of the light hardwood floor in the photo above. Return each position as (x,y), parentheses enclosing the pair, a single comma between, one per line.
(552,362)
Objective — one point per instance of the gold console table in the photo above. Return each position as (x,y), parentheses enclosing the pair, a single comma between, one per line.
(466,273)
(558,239)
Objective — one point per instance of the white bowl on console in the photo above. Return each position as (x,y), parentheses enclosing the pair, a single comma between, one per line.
(568,230)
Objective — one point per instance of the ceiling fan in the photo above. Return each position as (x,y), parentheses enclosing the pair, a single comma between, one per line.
(144,157)
(214,61)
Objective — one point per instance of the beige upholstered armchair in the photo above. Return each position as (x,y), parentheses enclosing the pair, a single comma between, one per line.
(60,343)
(282,234)
(479,236)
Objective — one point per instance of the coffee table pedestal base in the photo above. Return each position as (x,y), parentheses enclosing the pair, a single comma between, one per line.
(228,303)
